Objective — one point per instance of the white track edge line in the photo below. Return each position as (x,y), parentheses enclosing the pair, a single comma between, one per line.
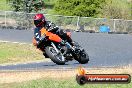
(15,42)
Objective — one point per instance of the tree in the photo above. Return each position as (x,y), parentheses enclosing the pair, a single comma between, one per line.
(87,8)
(117,9)
(15,4)
(37,5)
(27,5)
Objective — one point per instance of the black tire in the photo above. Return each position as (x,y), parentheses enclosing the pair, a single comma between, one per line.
(84,58)
(53,57)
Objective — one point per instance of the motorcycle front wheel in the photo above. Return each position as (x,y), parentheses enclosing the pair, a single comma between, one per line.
(57,58)
(84,58)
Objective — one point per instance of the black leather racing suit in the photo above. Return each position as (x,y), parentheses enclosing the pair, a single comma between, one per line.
(52,28)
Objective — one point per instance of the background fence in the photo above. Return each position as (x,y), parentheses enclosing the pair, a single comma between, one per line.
(20,20)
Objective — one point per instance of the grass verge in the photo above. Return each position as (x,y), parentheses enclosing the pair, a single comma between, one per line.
(70,83)
(58,79)
(12,53)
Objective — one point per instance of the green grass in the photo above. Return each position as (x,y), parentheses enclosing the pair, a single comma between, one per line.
(61,83)
(11,53)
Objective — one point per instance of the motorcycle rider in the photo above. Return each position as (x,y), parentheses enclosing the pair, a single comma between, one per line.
(40,22)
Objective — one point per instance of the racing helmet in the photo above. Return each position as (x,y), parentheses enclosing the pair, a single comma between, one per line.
(39,20)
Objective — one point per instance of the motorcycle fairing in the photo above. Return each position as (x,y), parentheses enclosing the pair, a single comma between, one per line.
(52,37)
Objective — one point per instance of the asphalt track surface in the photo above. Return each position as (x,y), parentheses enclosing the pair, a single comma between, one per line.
(105,50)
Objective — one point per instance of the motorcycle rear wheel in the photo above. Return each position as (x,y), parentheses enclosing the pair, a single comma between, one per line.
(56,58)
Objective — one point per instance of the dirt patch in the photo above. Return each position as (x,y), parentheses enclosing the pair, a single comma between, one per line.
(10,77)
(13,76)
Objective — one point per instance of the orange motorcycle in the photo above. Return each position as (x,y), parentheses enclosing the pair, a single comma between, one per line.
(60,51)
